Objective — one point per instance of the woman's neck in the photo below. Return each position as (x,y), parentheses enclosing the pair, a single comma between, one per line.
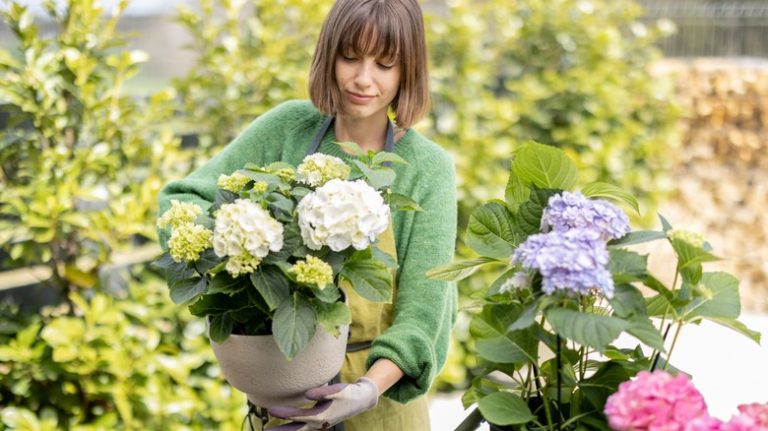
(368,133)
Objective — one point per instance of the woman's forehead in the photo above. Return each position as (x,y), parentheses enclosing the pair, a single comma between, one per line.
(366,37)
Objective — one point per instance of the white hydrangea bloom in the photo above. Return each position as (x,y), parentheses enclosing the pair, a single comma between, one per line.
(341,214)
(317,169)
(243,229)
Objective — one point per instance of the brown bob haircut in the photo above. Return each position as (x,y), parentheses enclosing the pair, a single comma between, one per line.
(388,29)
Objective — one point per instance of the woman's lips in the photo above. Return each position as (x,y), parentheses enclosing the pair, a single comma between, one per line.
(359,99)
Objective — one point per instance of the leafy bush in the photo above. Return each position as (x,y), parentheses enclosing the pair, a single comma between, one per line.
(81,163)
(252,55)
(132,362)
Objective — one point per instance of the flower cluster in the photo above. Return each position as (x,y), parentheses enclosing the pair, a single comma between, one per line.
(179,214)
(313,271)
(246,233)
(573,210)
(188,241)
(317,169)
(660,401)
(654,401)
(573,260)
(342,213)
(691,238)
(233,183)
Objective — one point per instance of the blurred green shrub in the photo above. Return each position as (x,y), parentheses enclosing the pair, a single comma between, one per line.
(135,362)
(80,162)
(251,56)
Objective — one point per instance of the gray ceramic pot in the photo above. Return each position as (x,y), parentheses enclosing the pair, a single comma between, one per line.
(254,365)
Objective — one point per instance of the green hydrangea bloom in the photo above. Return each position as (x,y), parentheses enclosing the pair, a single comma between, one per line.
(317,169)
(242,264)
(260,187)
(233,183)
(188,241)
(689,237)
(285,174)
(313,271)
(179,214)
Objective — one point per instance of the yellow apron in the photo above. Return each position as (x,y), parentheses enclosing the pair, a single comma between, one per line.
(369,320)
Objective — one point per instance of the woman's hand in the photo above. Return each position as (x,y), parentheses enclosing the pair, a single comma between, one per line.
(335,403)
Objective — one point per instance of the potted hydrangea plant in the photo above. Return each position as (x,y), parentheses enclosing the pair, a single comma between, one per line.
(569,286)
(265,265)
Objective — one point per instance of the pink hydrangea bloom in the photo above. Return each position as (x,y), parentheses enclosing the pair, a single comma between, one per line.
(741,423)
(758,412)
(704,423)
(655,401)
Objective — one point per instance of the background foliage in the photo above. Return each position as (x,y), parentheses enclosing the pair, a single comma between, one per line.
(82,164)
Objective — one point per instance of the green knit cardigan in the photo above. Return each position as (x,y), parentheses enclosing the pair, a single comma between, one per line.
(425,310)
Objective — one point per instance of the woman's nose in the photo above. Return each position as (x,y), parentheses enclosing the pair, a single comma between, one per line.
(363,75)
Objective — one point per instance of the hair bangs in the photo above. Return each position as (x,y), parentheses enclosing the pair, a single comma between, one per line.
(377,35)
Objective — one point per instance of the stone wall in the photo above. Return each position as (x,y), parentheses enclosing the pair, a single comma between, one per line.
(720,173)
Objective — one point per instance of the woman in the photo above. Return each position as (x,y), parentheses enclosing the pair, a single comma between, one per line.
(370,59)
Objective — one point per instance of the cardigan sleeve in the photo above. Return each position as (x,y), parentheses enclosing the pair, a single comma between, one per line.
(425,310)
(254,145)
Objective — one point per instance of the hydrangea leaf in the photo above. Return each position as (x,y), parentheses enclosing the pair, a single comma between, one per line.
(505,408)
(515,193)
(586,329)
(400,202)
(220,327)
(225,283)
(544,166)
(627,266)
(495,343)
(716,296)
(627,301)
(271,285)
(370,278)
(460,270)
(188,289)
(529,214)
(637,237)
(605,190)
(294,325)
(738,327)
(642,328)
(492,231)
(331,316)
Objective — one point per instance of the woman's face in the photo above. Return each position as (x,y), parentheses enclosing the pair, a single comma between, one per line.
(367,85)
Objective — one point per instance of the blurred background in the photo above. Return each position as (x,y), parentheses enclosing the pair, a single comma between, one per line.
(101,103)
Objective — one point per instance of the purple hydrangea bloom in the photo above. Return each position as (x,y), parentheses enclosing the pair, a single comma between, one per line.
(573,210)
(575,260)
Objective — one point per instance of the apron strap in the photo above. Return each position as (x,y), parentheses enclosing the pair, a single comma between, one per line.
(389,144)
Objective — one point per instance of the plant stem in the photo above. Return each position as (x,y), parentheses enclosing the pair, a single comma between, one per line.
(658,353)
(674,341)
(543,396)
(558,364)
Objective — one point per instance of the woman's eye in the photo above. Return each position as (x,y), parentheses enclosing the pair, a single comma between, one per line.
(386,66)
(348,58)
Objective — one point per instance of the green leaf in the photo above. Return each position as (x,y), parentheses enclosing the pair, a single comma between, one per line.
(188,289)
(291,242)
(627,301)
(643,329)
(259,177)
(370,278)
(384,257)
(495,343)
(665,226)
(544,166)
(212,304)
(717,296)
(605,190)
(458,270)
(587,329)
(378,178)
(220,327)
(385,156)
(738,327)
(689,254)
(271,285)
(398,202)
(164,262)
(516,193)
(331,316)
(280,204)
(638,237)
(351,148)
(527,317)
(505,408)
(529,215)
(225,283)
(492,231)
(294,325)
(208,260)
(627,266)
